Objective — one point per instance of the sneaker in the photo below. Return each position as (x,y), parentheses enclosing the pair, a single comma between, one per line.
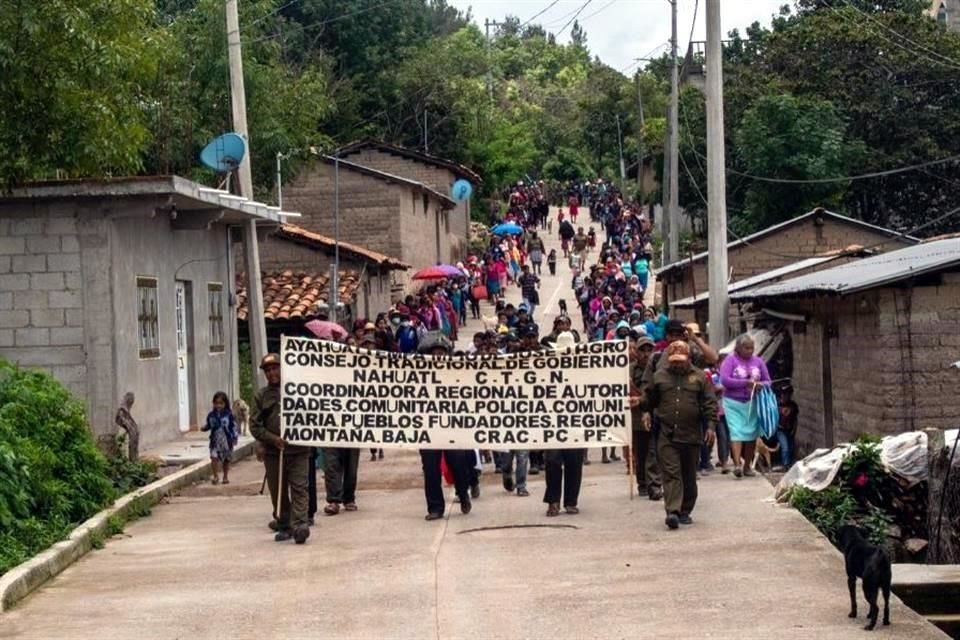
(475,491)
(534,470)
(553,509)
(507,482)
(523,493)
(273,525)
(300,535)
(685,518)
(572,510)
(749,473)
(738,472)
(433,516)
(282,535)
(655,494)
(724,469)
(672,521)
(465,505)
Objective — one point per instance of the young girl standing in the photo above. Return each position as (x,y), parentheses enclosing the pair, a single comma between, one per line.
(223,436)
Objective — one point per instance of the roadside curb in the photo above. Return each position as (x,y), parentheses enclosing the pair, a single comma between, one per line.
(23,579)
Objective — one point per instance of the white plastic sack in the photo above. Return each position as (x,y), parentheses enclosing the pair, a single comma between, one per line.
(951,436)
(816,471)
(905,454)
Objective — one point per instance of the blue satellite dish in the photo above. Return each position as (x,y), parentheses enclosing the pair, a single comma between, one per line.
(224,153)
(461,190)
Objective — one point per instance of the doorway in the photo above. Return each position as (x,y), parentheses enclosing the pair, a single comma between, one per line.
(184,325)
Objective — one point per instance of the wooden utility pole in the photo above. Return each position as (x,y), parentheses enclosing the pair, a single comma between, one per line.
(672,228)
(238,99)
(716,182)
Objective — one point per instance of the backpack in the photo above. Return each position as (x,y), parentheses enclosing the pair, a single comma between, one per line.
(407,339)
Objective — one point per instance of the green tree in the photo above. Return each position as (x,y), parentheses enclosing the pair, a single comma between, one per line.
(71,86)
(793,138)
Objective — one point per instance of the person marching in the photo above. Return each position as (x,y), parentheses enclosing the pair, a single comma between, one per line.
(564,467)
(681,398)
(459,462)
(644,443)
(289,494)
(223,436)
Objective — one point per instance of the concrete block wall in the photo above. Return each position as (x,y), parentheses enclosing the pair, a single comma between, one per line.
(41,300)
(369,208)
(439,178)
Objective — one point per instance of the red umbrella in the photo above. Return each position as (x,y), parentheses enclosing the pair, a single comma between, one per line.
(326,330)
(431,273)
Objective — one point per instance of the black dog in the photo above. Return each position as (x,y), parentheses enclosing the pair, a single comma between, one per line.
(563,307)
(872,565)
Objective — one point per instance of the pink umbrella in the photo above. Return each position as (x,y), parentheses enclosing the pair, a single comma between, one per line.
(326,330)
(431,273)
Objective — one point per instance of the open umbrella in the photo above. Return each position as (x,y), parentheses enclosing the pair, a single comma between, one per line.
(451,270)
(507,229)
(326,330)
(431,273)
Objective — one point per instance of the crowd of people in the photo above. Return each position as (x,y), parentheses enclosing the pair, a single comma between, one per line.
(686,401)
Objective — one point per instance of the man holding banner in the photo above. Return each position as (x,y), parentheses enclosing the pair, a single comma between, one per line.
(289,492)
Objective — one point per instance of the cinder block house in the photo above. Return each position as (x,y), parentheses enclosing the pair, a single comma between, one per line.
(123,285)
(873,342)
(438,173)
(382,212)
(807,236)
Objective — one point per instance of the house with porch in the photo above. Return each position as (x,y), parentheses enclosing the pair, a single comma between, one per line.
(125,284)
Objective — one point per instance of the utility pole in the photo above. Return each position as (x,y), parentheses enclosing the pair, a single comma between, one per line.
(623,167)
(487,24)
(673,129)
(426,136)
(716,181)
(238,99)
(640,148)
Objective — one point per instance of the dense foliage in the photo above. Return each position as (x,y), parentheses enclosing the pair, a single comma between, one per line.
(52,476)
(834,89)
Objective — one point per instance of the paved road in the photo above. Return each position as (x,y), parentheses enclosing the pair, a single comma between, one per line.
(204,566)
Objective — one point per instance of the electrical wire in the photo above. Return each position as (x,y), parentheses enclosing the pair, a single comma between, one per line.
(274,12)
(585,18)
(574,18)
(327,21)
(540,13)
(871,18)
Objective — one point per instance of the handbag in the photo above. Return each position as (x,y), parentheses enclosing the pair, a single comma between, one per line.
(479,292)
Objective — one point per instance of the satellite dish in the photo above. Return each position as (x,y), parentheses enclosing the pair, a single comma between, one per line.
(224,153)
(461,190)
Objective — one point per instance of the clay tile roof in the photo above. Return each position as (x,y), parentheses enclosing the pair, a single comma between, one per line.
(319,241)
(295,295)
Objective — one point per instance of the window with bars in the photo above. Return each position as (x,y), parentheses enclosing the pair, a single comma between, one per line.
(215,305)
(148,317)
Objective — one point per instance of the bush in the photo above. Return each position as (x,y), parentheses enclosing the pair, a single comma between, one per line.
(828,510)
(52,476)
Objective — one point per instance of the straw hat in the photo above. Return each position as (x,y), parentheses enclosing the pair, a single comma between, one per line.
(566,341)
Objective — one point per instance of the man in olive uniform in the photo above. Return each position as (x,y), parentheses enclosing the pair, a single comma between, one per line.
(681,398)
(289,496)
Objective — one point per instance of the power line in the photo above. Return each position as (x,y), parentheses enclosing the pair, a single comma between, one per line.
(540,13)
(871,18)
(574,18)
(585,18)
(863,176)
(274,12)
(330,20)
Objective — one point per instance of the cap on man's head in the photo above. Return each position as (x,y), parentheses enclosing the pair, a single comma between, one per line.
(270,360)
(678,351)
(675,328)
(645,341)
(531,331)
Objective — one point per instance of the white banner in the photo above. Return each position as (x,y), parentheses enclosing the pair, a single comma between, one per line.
(338,396)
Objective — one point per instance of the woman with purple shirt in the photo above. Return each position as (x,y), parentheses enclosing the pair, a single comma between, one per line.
(740,374)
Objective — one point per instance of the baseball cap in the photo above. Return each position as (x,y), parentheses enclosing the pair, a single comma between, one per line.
(675,328)
(643,341)
(270,360)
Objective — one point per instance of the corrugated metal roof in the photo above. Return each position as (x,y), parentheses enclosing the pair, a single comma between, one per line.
(761,278)
(865,274)
(745,241)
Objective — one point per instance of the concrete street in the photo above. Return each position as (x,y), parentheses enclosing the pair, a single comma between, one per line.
(205,566)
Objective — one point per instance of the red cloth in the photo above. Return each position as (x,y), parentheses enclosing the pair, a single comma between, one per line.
(445,471)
